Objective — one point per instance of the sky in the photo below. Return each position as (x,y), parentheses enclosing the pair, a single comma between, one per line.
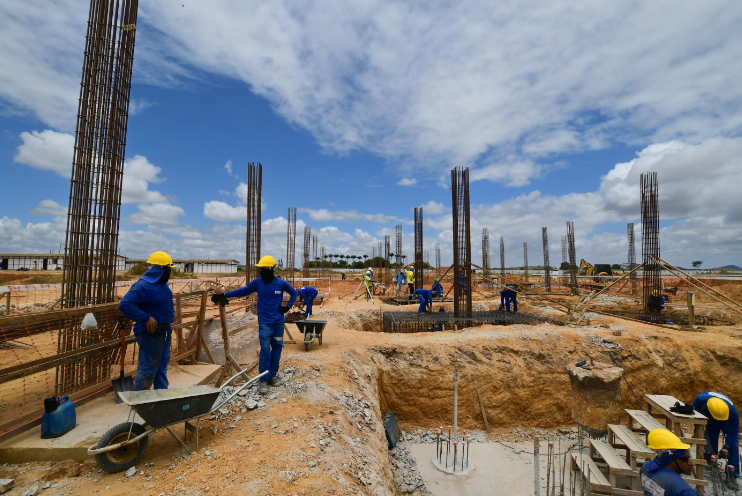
(359,110)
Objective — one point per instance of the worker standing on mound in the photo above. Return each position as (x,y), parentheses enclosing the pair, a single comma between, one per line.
(437,288)
(149,303)
(270,291)
(411,279)
(723,417)
(507,295)
(661,475)
(307,295)
(426,299)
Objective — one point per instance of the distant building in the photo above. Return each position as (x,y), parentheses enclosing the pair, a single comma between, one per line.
(46,261)
(196,266)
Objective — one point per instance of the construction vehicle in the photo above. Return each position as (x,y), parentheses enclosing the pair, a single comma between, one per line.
(596,270)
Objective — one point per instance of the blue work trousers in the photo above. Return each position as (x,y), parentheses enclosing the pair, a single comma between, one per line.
(271,344)
(712,445)
(424,305)
(507,304)
(154,357)
(308,306)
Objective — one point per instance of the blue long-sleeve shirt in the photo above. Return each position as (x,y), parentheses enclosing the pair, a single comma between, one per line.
(307,293)
(730,426)
(270,297)
(147,298)
(658,480)
(508,294)
(438,288)
(400,278)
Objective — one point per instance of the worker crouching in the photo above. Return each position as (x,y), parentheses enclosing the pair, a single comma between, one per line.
(508,295)
(307,295)
(426,299)
(270,291)
(149,303)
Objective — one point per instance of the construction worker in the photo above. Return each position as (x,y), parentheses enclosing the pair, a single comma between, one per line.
(368,281)
(437,288)
(342,276)
(307,295)
(149,303)
(400,280)
(722,417)
(507,295)
(656,301)
(426,299)
(411,279)
(270,291)
(661,475)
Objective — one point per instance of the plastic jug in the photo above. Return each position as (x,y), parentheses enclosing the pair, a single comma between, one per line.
(58,418)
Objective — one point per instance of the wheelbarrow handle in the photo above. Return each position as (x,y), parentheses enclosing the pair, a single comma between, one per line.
(236,390)
(97,451)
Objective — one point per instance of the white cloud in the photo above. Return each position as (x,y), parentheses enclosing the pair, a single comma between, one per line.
(47,150)
(49,207)
(223,212)
(228,168)
(137,106)
(141,168)
(157,214)
(324,215)
(433,208)
(30,238)
(407,182)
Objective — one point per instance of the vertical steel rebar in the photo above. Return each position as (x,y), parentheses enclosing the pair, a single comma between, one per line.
(565,256)
(314,256)
(650,243)
(291,245)
(305,251)
(254,203)
(438,259)
(461,242)
(525,260)
(387,260)
(502,259)
(419,260)
(547,264)
(572,258)
(398,253)
(485,248)
(632,256)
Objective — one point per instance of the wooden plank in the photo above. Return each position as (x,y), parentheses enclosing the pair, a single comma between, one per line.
(630,440)
(664,402)
(484,413)
(55,314)
(616,464)
(645,420)
(596,476)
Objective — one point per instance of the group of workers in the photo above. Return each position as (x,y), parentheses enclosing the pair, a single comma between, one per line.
(149,303)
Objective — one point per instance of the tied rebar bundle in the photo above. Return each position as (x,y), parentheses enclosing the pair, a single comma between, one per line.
(651,244)
(572,258)
(305,251)
(291,245)
(485,248)
(438,321)
(632,256)
(254,201)
(461,242)
(419,272)
(398,239)
(547,266)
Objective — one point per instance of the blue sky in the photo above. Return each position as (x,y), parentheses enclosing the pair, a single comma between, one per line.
(359,113)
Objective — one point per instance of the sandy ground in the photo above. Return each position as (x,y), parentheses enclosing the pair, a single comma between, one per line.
(321,432)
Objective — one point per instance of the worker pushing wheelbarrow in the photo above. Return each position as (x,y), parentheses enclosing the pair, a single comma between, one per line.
(311,329)
(124,444)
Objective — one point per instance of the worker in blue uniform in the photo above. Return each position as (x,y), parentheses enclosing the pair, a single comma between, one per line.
(661,475)
(400,280)
(437,288)
(426,299)
(656,301)
(507,295)
(149,303)
(307,295)
(270,291)
(722,417)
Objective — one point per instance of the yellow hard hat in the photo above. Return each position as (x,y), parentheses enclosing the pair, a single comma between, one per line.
(161,258)
(655,292)
(718,408)
(662,439)
(266,261)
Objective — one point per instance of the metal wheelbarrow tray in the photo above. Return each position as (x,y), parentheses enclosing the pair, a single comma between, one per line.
(312,329)
(124,444)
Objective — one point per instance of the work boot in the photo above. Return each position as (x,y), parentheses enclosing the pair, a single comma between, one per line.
(276,380)
(263,388)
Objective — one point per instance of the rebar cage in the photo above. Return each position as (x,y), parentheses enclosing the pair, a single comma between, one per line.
(438,321)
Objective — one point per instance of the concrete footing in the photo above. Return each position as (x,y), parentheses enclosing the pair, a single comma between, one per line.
(458,471)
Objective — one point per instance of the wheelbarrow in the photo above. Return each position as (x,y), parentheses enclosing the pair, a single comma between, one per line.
(124,444)
(312,329)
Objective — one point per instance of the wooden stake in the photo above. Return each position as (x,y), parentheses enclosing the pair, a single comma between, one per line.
(484,414)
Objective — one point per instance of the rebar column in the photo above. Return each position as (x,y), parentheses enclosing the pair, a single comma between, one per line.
(322,256)
(398,253)
(94,209)
(314,255)
(547,266)
(572,258)
(438,259)
(632,256)
(291,245)
(525,260)
(565,256)
(461,241)
(502,257)
(254,202)
(305,251)
(650,244)
(387,259)
(485,248)
(419,256)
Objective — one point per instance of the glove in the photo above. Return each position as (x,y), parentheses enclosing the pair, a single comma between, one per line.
(219,299)
(682,408)
(283,309)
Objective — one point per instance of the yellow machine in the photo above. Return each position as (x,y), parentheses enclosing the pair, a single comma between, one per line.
(588,269)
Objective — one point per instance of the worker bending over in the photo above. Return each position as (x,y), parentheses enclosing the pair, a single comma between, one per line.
(437,288)
(410,280)
(723,417)
(656,301)
(661,475)
(149,303)
(307,295)
(400,280)
(270,291)
(507,295)
(368,281)
(426,299)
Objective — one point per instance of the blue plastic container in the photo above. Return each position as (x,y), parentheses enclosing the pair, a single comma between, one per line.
(58,418)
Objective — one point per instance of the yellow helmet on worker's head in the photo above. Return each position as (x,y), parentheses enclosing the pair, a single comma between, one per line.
(266,261)
(161,258)
(655,292)
(718,408)
(662,439)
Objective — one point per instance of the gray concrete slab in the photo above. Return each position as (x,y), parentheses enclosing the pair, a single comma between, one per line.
(499,471)
(93,420)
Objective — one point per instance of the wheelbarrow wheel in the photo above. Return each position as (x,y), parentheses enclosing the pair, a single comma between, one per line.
(307,346)
(127,456)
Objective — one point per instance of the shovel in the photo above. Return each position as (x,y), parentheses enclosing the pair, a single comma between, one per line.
(122,384)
